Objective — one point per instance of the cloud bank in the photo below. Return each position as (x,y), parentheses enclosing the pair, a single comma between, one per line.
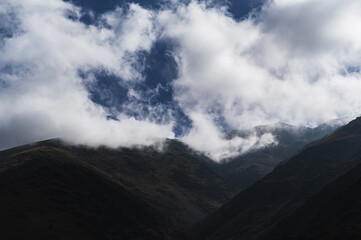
(293,61)
(42,94)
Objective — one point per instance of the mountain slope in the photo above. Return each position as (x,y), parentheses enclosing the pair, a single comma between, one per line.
(176,183)
(333,213)
(340,217)
(45,194)
(258,209)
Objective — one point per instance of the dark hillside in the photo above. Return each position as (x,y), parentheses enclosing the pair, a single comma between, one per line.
(176,187)
(44,194)
(258,209)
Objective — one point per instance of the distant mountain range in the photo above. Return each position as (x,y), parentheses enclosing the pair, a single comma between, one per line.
(52,190)
(244,170)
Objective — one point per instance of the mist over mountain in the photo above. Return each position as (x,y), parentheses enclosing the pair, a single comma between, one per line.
(180,119)
(245,169)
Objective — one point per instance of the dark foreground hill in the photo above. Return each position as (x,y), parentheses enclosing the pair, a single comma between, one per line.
(53,191)
(294,193)
(333,213)
(44,194)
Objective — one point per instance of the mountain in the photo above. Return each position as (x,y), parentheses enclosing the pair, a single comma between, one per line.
(244,170)
(257,211)
(52,190)
(173,189)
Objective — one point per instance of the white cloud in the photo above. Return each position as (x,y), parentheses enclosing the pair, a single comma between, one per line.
(290,65)
(287,67)
(206,137)
(296,62)
(44,97)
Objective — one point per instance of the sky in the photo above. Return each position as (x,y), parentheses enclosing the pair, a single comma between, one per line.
(129,74)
